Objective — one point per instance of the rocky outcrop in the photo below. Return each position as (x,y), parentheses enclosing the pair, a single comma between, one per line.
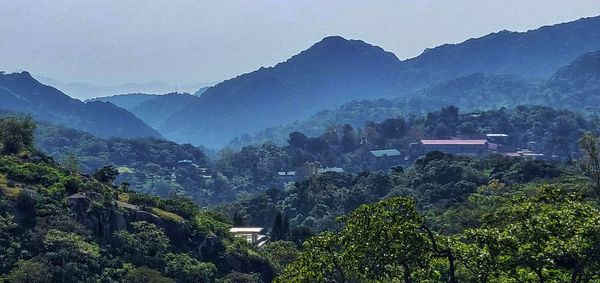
(104,220)
(101,220)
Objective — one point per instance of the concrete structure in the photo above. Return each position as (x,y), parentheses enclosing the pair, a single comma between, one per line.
(253,235)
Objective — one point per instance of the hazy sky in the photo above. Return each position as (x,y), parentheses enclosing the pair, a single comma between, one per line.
(193,41)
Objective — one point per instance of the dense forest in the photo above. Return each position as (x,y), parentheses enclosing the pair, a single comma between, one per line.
(446,218)
(168,169)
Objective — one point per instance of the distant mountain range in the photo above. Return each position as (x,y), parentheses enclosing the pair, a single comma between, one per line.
(153,109)
(22,93)
(126,101)
(574,87)
(499,69)
(84,90)
(335,71)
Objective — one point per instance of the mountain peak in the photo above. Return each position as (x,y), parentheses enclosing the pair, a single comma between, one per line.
(336,42)
(333,39)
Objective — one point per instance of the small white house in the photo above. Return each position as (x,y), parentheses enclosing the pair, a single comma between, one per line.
(253,235)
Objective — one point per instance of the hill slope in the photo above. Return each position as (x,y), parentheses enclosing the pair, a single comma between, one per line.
(21,92)
(332,71)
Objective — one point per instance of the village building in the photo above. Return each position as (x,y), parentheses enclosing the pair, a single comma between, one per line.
(286,177)
(187,162)
(384,159)
(331,169)
(456,146)
(253,235)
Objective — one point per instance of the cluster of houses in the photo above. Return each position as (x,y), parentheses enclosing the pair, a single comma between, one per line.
(387,158)
(384,159)
(491,143)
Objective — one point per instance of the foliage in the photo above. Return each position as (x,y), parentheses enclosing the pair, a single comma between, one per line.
(106,174)
(185,268)
(146,275)
(146,244)
(16,134)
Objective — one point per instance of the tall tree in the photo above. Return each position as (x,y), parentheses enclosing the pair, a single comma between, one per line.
(590,162)
(16,134)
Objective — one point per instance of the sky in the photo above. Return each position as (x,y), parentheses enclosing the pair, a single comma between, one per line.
(195,41)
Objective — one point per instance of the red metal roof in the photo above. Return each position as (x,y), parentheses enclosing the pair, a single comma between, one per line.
(454,142)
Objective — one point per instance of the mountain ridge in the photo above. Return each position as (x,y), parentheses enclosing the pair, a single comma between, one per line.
(335,70)
(22,93)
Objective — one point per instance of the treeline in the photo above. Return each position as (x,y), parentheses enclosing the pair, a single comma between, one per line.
(554,133)
(152,165)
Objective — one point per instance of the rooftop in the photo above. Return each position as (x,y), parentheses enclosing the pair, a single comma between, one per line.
(385,152)
(246,229)
(331,169)
(453,142)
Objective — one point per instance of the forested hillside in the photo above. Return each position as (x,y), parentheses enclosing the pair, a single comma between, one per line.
(60,226)
(167,169)
(153,166)
(513,218)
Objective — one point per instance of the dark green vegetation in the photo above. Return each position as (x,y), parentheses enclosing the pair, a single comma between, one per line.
(444,219)
(59,226)
(148,165)
(22,93)
(554,132)
(335,71)
(156,166)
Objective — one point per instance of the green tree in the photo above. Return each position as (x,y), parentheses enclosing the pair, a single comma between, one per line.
(106,174)
(30,271)
(550,237)
(281,253)
(184,268)
(146,244)
(71,164)
(16,134)
(281,227)
(73,259)
(9,242)
(590,162)
(146,275)
(383,241)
